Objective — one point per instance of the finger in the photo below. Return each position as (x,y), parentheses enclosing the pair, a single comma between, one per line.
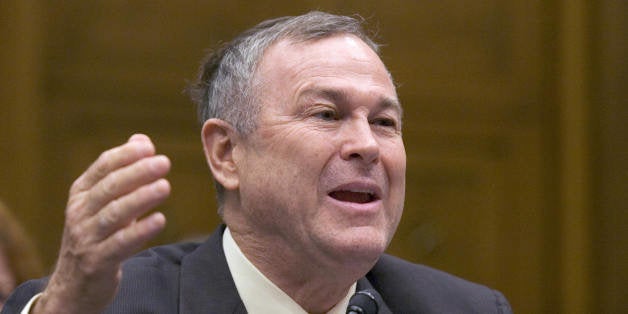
(125,242)
(139,137)
(138,146)
(124,180)
(123,211)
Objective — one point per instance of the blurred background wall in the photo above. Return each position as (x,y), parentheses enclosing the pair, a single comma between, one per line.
(515,126)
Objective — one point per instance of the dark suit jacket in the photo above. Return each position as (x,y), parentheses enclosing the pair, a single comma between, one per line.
(195,278)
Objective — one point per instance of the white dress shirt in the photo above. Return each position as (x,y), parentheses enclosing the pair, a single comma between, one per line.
(258,293)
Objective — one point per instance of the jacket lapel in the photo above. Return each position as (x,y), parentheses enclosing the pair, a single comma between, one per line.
(206,283)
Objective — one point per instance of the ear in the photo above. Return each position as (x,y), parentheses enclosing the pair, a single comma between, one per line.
(219,139)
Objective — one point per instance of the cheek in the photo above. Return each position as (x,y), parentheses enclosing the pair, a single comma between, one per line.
(280,178)
(284,167)
(395,163)
(302,154)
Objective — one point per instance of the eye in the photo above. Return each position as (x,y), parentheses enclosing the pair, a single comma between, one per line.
(327,115)
(385,122)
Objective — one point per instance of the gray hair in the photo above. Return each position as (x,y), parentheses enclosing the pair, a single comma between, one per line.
(224,88)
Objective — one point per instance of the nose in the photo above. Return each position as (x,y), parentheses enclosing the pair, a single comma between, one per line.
(359,142)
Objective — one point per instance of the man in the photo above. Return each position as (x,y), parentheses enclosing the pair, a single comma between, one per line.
(302,133)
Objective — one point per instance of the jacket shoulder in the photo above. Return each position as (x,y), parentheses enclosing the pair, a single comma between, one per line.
(413,288)
(150,280)
(162,257)
(154,272)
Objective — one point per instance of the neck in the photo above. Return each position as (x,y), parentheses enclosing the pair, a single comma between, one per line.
(317,284)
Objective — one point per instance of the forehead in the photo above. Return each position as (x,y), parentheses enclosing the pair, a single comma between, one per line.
(341,61)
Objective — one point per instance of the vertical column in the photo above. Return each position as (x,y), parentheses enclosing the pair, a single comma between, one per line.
(574,132)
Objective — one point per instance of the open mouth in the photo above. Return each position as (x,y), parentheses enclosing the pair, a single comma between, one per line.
(359,197)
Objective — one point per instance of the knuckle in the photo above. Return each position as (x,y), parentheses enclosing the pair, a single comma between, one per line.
(75,205)
(121,237)
(88,265)
(103,157)
(110,186)
(110,216)
(75,235)
(76,186)
(102,163)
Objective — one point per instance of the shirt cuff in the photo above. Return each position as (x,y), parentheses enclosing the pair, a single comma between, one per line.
(27,308)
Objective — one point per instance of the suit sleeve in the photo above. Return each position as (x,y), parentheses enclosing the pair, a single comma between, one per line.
(503,307)
(22,295)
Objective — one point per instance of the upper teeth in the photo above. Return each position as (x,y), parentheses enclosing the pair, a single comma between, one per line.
(360,191)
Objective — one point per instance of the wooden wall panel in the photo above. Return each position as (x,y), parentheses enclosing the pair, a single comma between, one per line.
(610,157)
(20,106)
(476,78)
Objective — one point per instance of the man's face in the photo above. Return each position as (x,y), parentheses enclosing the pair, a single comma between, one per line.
(324,173)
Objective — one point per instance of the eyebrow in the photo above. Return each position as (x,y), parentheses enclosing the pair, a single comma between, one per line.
(341,96)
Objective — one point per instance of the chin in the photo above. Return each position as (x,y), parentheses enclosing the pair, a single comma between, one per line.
(362,244)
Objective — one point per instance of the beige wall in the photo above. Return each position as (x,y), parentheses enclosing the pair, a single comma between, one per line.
(514,126)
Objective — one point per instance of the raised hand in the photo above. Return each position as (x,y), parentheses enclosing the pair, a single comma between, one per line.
(105,224)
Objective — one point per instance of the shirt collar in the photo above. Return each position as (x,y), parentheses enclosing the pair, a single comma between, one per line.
(258,293)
